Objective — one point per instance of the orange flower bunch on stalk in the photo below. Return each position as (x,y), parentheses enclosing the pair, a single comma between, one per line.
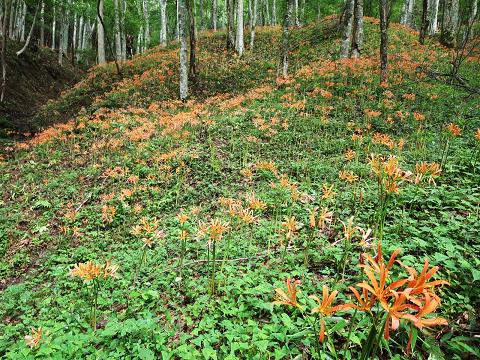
(90,271)
(411,298)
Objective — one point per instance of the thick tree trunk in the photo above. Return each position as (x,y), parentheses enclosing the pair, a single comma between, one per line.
(347,29)
(63,43)
(182,32)
(240,46)
(383,42)
(100,34)
(450,23)
(357,44)
(407,12)
(283,67)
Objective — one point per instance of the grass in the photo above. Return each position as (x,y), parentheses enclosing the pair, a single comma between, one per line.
(110,184)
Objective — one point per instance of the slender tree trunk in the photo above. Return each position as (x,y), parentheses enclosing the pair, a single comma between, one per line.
(123,30)
(469,31)
(178,20)
(254,24)
(146,16)
(100,34)
(297,21)
(42,24)
(424,24)
(163,22)
(230,25)
(63,43)
(214,14)
(274,12)
(357,44)
(283,68)
(192,71)
(182,24)
(23,22)
(383,42)
(347,29)
(240,46)
(5,23)
(116,30)
(19,52)
(54,26)
(434,19)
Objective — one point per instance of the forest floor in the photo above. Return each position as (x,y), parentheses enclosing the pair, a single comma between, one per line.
(33,78)
(161,188)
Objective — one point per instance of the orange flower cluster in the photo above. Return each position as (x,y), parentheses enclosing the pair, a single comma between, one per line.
(89,271)
(388,172)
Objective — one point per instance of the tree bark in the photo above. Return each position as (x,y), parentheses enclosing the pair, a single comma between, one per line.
(383,42)
(19,52)
(434,19)
(214,14)
(240,46)
(283,68)
(42,24)
(407,12)
(116,30)
(424,24)
(182,19)
(230,25)
(192,70)
(54,25)
(254,24)
(100,34)
(5,23)
(163,22)
(357,44)
(146,16)
(450,23)
(347,29)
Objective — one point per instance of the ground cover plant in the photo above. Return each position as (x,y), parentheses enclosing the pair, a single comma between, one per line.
(322,215)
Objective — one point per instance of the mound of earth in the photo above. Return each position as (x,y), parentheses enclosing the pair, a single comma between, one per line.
(33,78)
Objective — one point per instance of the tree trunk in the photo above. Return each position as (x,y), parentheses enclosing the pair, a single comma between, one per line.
(254,24)
(230,25)
(146,16)
(123,31)
(434,19)
(42,24)
(450,23)
(5,23)
(274,12)
(100,34)
(19,52)
(240,43)
(116,30)
(63,43)
(347,29)
(383,42)
(297,21)
(407,12)
(163,22)
(54,25)
(283,68)
(424,24)
(182,32)
(357,44)
(214,14)
(192,71)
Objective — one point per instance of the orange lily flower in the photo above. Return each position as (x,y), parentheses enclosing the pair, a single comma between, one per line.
(394,312)
(290,297)
(429,307)
(325,308)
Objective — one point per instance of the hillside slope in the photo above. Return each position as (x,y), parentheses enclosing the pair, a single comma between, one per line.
(137,176)
(33,78)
